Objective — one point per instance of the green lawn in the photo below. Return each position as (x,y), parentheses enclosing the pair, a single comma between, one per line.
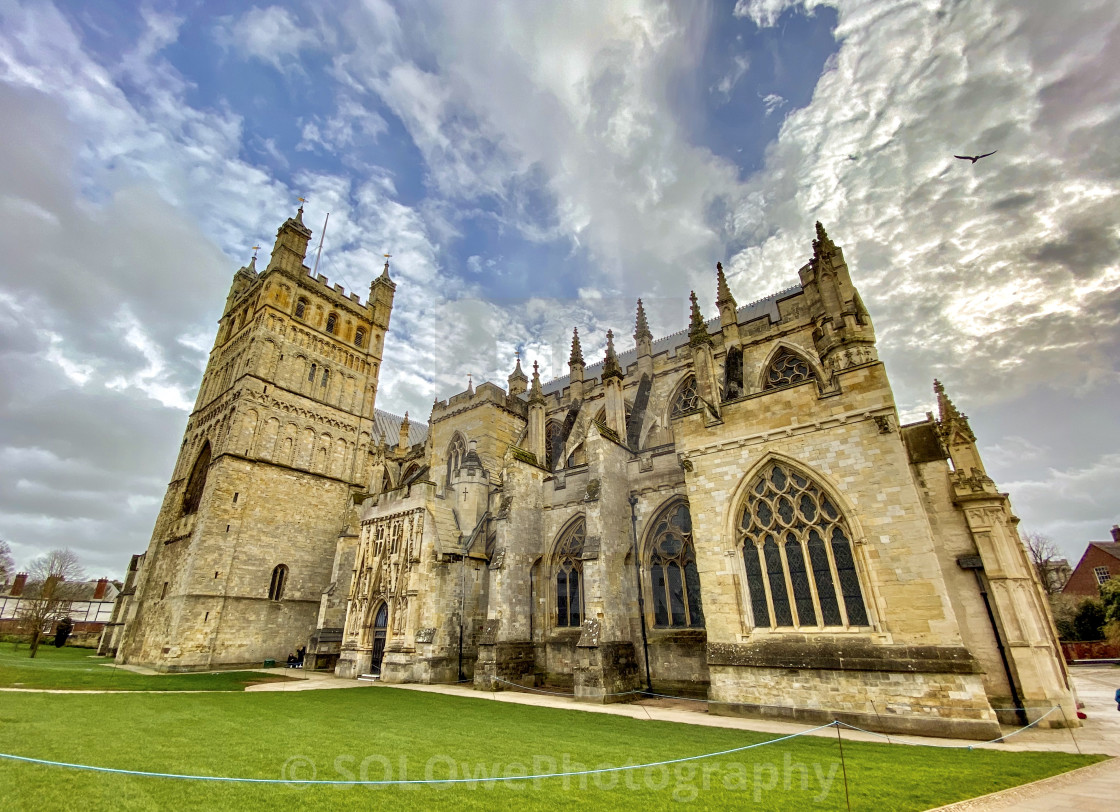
(331,734)
(78,669)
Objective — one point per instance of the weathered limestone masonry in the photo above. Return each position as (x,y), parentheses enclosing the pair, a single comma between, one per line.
(730,512)
(261,493)
(733,512)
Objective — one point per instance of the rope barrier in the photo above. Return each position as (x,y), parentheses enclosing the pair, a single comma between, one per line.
(1000,739)
(489,779)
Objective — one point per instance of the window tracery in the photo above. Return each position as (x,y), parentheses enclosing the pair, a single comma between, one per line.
(569,574)
(787,369)
(797,554)
(674,580)
(686,400)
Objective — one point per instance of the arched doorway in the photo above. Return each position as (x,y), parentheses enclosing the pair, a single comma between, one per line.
(380,625)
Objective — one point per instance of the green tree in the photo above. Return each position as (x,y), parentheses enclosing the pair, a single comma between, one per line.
(1110,600)
(1089,620)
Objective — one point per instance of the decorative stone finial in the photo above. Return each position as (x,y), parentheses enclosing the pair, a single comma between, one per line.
(576,358)
(697,329)
(723,292)
(611,368)
(641,326)
(822,244)
(536,394)
(948,414)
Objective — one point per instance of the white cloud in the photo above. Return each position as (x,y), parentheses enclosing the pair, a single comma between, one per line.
(772,102)
(271,35)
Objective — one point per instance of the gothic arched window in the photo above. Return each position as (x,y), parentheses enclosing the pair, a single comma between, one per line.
(332,322)
(279,579)
(569,574)
(674,580)
(686,399)
(786,369)
(301,308)
(192,496)
(797,553)
(455,453)
(359,337)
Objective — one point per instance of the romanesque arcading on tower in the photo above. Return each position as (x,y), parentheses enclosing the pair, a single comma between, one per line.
(285,410)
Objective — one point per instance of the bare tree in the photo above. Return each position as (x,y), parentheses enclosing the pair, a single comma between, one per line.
(48,594)
(7,563)
(1044,555)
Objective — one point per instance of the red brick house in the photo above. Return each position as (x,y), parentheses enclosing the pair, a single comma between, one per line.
(1100,562)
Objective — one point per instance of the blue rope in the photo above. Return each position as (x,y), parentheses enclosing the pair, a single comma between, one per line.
(229,779)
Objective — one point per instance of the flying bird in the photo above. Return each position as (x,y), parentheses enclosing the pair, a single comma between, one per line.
(975,158)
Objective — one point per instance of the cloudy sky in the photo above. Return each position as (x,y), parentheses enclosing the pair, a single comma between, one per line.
(537,166)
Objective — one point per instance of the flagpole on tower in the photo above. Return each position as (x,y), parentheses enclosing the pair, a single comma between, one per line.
(322,237)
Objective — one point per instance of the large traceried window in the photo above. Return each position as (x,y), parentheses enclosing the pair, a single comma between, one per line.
(569,576)
(686,399)
(787,369)
(674,580)
(797,554)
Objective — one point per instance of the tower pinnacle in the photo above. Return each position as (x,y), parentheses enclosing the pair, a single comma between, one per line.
(577,352)
(723,292)
(697,329)
(641,326)
(536,394)
(611,368)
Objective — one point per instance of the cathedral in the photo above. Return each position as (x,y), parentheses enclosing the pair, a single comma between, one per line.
(732,512)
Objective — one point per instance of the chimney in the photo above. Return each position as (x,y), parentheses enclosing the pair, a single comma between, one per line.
(1115,536)
(101,589)
(18,584)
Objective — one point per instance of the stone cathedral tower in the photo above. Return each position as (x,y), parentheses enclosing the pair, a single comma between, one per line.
(273,453)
